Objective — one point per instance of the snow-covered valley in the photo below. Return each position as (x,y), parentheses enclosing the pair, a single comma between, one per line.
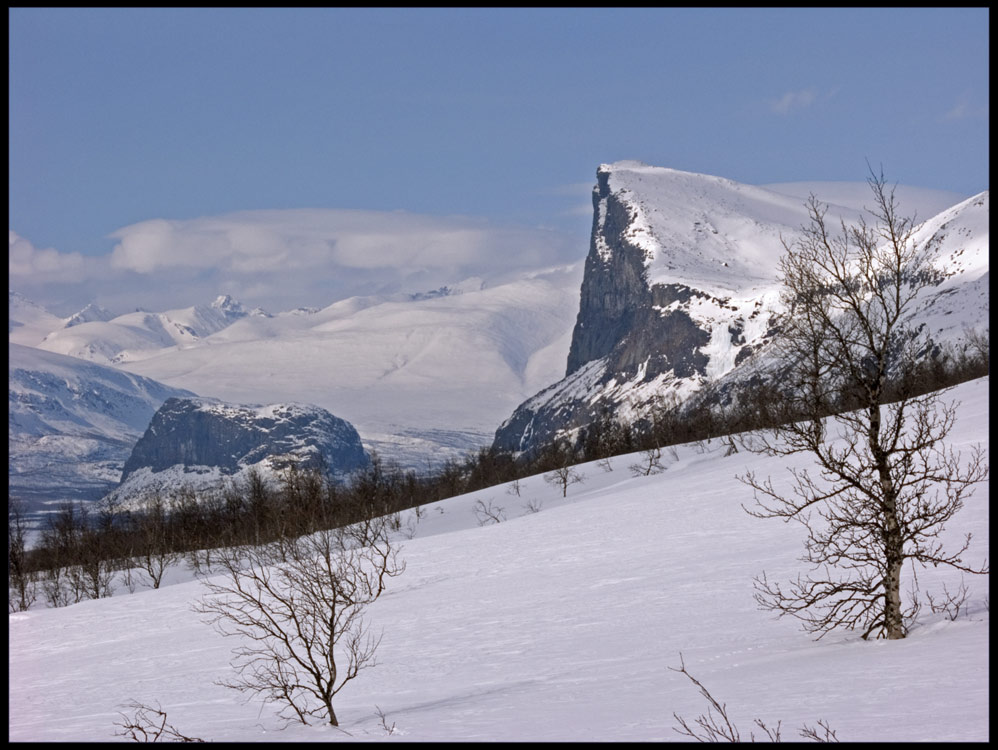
(423,377)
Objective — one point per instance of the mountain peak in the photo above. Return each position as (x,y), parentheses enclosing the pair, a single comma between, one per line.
(681,289)
(229,306)
(92,312)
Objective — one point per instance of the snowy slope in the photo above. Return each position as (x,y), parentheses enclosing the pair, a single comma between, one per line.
(89,314)
(27,322)
(959,238)
(708,232)
(555,626)
(72,423)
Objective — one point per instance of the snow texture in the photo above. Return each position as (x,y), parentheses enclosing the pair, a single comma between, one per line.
(559,625)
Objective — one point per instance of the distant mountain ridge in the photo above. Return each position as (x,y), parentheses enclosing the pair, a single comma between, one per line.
(424,377)
(72,424)
(97,335)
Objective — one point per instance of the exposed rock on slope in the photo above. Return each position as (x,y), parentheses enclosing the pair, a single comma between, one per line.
(198,442)
(680,290)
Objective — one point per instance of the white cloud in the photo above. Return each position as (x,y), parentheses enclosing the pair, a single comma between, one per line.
(25,260)
(793,101)
(317,240)
(281,259)
(959,112)
(963,109)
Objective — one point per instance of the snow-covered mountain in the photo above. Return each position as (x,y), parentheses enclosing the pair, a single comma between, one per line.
(89,314)
(91,334)
(423,377)
(28,323)
(202,443)
(72,424)
(681,288)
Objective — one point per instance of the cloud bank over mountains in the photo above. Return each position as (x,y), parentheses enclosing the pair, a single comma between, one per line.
(281,259)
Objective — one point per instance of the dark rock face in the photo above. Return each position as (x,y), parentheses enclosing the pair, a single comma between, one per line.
(617,317)
(200,432)
(680,300)
(631,328)
(613,286)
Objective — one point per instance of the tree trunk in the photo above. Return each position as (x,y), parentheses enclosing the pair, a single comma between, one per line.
(893,544)
(892,598)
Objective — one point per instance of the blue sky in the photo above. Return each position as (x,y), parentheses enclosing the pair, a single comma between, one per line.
(120,117)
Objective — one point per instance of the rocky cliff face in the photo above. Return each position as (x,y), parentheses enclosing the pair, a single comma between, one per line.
(681,290)
(202,441)
(639,333)
(622,316)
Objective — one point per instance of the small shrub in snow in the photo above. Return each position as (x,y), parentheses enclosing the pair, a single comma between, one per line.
(533,506)
(148,724)
(716,726)
(950,603)
(651,463)
(488,514)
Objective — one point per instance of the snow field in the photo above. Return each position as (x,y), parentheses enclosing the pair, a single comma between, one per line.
(559,625)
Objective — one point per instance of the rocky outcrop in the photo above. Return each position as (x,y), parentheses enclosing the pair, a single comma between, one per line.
(623,317)
(632,336)
(212,439)
(614,288)
(681,289)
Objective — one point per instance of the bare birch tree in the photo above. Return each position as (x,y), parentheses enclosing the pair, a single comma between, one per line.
(157,551)
(564,476)
(297,605)
(22,590)
(886,485)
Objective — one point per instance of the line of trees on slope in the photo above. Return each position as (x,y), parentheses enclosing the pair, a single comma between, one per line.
(81,546)
(848,352)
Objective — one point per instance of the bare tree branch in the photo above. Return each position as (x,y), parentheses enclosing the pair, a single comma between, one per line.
(716,726)
(296,605)
(148,724)
(884,486)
